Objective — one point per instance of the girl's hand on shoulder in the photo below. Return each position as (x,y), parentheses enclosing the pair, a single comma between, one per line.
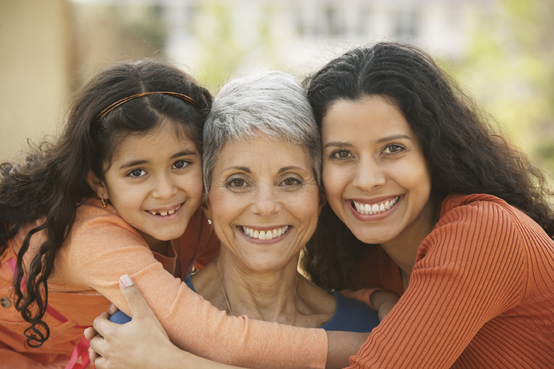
(141,343)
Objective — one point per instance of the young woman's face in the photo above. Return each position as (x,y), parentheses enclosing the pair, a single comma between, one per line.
(264,202)
(155,182)
(374,173)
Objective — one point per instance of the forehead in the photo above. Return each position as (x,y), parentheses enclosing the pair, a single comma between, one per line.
(364,119)
(166,138)
(261,151)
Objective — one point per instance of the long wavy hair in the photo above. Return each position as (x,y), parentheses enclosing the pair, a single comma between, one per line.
(463,152)
(50,185)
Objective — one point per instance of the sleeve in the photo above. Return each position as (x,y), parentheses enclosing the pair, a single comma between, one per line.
(104,248)
(469,269)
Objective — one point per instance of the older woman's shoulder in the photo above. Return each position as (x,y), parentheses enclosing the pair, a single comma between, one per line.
(351,316)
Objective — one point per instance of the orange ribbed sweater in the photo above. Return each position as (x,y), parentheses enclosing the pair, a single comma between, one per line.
(481,294)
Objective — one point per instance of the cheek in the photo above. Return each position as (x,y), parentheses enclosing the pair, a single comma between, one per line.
(333,185)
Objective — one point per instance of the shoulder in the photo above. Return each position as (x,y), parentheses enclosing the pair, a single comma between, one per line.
(351,316)
(480,213)
(91,213)
(478,229)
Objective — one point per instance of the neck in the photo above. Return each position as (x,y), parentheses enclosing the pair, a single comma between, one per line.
(270,296)
(403,249)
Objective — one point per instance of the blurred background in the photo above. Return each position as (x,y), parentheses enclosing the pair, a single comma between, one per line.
(500,51)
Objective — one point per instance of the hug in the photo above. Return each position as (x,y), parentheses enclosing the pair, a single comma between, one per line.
(404,186)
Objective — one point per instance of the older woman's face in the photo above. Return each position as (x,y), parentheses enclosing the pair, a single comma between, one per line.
(264,202)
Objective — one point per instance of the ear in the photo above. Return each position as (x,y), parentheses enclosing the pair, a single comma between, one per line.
(97,185)
(322,201)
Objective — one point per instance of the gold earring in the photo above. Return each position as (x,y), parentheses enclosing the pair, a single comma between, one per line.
(103,201)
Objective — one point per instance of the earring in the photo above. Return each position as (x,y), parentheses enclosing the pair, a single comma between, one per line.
(209,221)
(103,201)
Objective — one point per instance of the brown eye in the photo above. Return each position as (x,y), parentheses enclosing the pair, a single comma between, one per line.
(135,173)
(341,154)
(237,183)
(180,164)
(393,149)
(291,181)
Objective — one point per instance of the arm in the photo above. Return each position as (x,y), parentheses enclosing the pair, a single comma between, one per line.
(468,270)
(192,323)
(143,343)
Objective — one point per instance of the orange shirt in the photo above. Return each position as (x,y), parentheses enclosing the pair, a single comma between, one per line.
(481,293)
(101,248)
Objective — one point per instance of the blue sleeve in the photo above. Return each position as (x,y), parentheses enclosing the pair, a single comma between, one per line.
(120,318)
(351,316)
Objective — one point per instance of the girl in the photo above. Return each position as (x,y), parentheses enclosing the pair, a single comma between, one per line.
(425,200)
(119,194)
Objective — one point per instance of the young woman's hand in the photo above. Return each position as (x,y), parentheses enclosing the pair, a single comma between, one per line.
(383,302)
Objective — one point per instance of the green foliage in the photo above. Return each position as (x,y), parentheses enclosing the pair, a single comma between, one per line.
(508,67)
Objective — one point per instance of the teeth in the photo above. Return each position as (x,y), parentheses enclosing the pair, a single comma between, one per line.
(375,208)
(165,213)
(265,235)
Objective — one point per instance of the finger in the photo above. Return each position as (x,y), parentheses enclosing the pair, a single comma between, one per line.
(89,333)
(113,309)
(97,344)
(101,324)
(137,304)
(92,355)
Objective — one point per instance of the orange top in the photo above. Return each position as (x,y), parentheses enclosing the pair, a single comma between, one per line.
(101,248)
(481,293)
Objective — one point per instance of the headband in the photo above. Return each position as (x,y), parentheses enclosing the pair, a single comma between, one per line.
(118,103)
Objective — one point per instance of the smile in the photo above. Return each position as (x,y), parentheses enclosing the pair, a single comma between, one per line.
(368,209)
(265,235)
(165,213)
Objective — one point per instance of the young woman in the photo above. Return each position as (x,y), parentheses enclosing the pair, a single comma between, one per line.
(425,200)
(119,194)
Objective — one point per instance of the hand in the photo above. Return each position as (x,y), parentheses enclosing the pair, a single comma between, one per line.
(141,343)
(383,302)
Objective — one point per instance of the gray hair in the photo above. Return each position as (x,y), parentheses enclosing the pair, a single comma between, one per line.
(270,103)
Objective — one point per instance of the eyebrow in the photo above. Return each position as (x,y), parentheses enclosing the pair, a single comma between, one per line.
(381,140)
(337,144)
(244,169)
(391,138)
(291,167)
(141,162)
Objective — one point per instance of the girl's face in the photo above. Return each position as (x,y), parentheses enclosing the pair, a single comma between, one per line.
(264,202)
(374,173)
(155,182)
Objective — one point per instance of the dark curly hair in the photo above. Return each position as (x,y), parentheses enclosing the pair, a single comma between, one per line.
(50,185)
(463,153)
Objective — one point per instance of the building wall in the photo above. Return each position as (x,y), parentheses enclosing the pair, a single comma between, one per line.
(35,39)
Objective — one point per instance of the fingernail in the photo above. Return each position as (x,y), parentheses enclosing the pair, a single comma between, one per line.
(126,280)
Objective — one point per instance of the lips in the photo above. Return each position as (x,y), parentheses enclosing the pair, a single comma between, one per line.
(367,209)
(165,213)
(267,234)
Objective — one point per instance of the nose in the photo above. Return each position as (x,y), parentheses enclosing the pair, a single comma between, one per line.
(266,201)
(369,175)
(165,186)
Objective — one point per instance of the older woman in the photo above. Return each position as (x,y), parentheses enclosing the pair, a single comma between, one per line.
(262,160)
